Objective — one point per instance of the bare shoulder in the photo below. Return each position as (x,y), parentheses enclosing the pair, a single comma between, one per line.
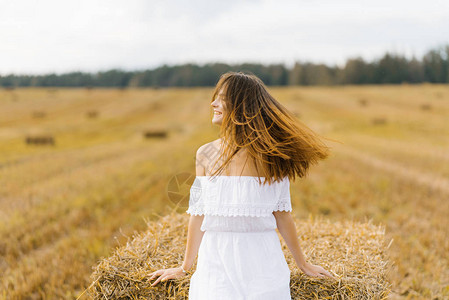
(208,148)
(204,154)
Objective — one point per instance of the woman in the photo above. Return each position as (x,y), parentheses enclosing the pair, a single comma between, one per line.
(234,216)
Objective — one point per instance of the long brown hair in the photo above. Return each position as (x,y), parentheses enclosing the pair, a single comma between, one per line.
(273,137)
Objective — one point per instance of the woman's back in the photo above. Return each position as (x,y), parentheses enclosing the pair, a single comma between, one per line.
(240,255)
(241,164)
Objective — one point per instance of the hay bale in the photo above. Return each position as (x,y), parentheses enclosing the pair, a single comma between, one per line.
(155,134)
(40,140)
(38,114)
(155,106)
(298,97)
(92,114)
(178,128)
(426,106)
(355,252)
(363,102)
(379,121)
(297,114)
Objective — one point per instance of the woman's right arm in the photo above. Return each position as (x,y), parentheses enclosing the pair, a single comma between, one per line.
(194,233)
(194,237)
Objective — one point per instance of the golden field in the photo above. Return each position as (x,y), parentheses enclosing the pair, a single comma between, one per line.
(66,205)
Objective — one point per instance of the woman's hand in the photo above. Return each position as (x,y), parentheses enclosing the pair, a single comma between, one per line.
(166,274)
(317,271)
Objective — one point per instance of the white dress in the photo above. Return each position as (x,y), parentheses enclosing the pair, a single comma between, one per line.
(240,256)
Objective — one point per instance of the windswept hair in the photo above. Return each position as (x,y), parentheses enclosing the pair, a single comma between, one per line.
(274,138)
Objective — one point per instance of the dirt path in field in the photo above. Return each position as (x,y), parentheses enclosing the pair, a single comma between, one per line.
(428,179)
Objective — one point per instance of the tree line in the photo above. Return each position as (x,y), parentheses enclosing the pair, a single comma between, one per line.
(433,67)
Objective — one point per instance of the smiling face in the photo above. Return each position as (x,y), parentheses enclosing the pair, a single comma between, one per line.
(218,106)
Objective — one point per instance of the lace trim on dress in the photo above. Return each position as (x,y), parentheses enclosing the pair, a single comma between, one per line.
(284,205)
(221,198)
(231,211)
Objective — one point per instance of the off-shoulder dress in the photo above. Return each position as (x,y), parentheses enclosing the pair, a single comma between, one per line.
(240,255)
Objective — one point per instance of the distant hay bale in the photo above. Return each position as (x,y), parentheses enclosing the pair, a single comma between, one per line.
(178,128)
(39,114)
(297,114)
(426,106)
(363,102)
(148,134)
(379,121)
(354,252)
(297,97)
(91,114)
(155,106)
(40,140)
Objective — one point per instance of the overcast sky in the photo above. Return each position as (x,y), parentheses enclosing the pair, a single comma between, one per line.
(38,37)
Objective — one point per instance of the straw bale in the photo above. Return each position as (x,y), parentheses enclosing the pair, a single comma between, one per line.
(354,252)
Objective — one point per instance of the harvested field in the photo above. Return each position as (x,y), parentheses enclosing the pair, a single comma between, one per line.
(66,207)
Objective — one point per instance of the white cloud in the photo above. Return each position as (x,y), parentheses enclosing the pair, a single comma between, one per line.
(90,35)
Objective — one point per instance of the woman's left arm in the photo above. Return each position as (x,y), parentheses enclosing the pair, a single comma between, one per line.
(287,229)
